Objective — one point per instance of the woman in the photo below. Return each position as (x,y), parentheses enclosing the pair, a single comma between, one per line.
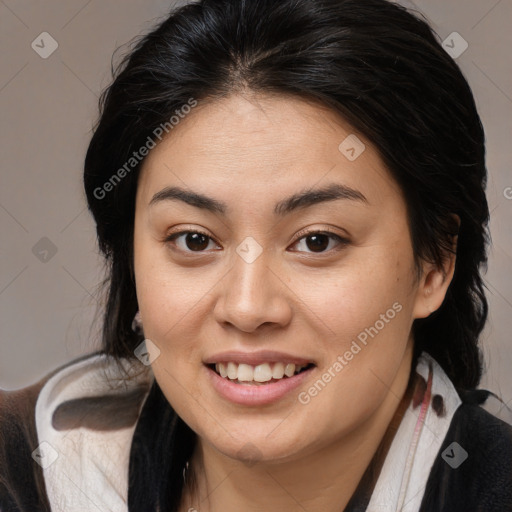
(246,365)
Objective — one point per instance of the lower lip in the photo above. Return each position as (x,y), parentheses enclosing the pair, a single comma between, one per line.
(254,394)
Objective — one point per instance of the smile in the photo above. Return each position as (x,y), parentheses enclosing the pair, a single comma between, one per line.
(260,374)
(238,383)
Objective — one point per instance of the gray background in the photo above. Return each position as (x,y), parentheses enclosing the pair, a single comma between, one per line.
(48,109)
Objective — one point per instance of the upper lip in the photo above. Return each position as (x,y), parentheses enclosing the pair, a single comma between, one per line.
(256,358)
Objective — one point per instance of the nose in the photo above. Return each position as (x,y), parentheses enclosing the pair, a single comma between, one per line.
(253,295)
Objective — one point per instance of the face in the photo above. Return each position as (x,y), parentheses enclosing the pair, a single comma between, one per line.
(264,238)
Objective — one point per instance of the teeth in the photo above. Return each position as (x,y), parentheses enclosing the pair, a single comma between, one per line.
(260,373)
(245,373)
(289,370)
(232,371)
(278,371)
(221,368)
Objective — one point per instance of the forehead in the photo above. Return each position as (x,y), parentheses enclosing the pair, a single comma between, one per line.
(261,146)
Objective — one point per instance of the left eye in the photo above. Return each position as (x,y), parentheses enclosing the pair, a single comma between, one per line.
(319,241)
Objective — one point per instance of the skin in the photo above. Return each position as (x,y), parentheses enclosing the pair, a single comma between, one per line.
(251,151)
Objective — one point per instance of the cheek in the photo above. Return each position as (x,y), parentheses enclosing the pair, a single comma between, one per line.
(369,312)
(182,392)
(168,295)
(347,299)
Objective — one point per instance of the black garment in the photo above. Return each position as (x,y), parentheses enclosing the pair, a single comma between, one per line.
(483,483)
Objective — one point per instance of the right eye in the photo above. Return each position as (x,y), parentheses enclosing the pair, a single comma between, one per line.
(189,241)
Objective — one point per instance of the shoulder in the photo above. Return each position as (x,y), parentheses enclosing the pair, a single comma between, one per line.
(473,468)
(21,480)
(36,423)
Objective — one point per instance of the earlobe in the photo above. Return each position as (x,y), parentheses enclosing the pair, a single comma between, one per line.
(137,323)
(433,287)
(431,292)
(428,302)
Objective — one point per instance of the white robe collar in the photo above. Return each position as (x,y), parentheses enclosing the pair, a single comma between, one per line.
(87,470)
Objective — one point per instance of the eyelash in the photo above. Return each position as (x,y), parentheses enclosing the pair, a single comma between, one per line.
(301,235)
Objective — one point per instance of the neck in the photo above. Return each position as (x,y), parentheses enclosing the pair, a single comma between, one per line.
(324,479)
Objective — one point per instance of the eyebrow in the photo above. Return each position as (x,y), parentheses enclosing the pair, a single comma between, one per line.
(299,200)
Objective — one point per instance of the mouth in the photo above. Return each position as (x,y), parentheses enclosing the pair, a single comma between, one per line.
(258,378)
(254,385)
(258,375)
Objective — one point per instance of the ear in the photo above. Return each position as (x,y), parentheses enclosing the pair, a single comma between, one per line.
(434,282)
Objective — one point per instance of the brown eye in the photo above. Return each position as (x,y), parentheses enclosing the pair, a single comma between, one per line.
(190,241)
(320,242)
(317,243)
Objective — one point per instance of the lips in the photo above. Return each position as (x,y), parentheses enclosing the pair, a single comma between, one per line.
(256,378)
(257,393)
